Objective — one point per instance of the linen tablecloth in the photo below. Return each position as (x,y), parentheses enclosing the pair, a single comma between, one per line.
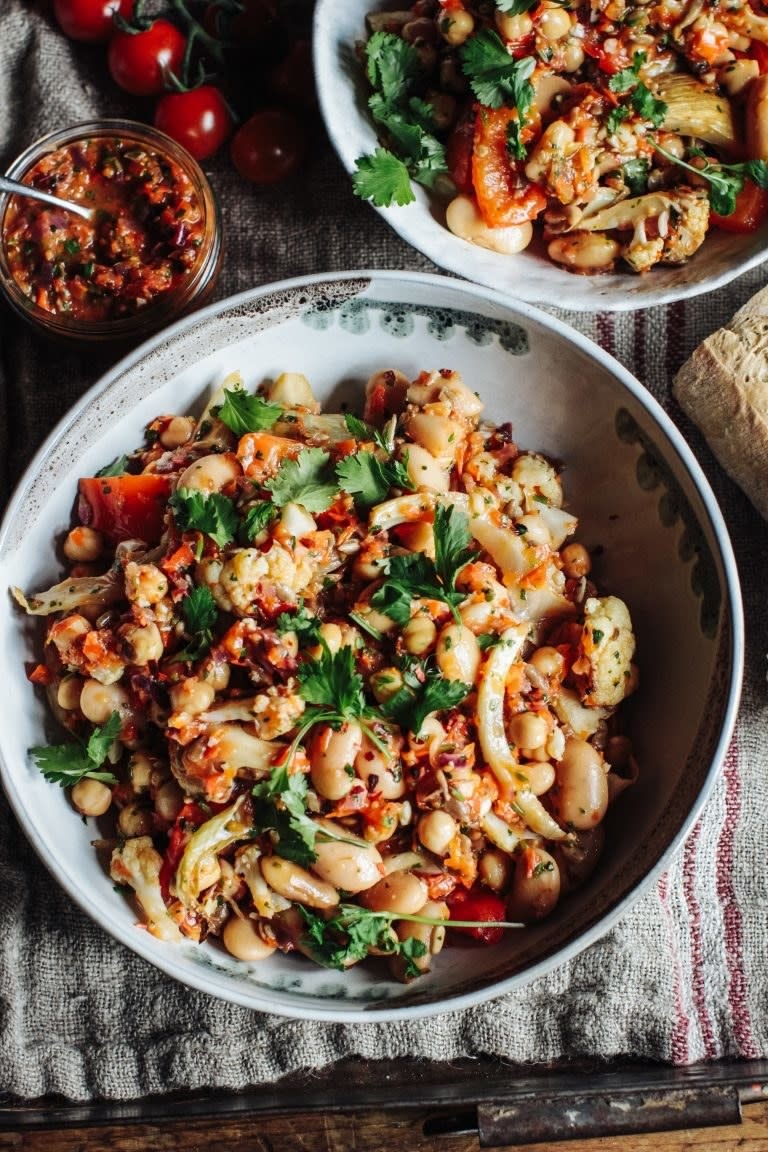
(683,978)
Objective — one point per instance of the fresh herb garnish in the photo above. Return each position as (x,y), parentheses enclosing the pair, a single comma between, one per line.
(424,690)
(369,479)
(280,807)
(200,615)
(65,764)
(334,692)
(211,513)
(725,180)
(635,173)
(118,467)
(302,622)
(258,517)
(308,480)
(242,412)
(641,99)
(383,439)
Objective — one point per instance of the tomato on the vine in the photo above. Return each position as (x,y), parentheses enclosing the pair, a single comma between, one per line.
(140,61)
(90,20)
(292,80)
(199,120)
(268,147)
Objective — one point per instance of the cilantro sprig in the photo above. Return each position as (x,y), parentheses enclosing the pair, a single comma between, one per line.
(424,690)
(384,177)
(258,518)
(308,480)
(369,479)
(280,807)
(498,79)
(200,614)
(302,622)
(243,412)
(65,764)
(211,513)
(641,99)
(725,180)
(413,575)
(383,438)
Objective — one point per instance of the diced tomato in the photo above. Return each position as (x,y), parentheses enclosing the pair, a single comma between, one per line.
(40,675)
(758,52)
(458,151)
(608,62)
(751,210)
(478,904)
(261,453)
(505,196)
(190,817)
(125,507)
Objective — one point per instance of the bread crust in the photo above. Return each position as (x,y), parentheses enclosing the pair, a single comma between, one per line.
(723,388)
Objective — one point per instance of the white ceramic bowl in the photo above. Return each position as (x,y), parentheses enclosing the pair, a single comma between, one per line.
(629,475)
(530,275)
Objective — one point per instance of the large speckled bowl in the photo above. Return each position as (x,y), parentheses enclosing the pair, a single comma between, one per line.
(530,276)
(628,475)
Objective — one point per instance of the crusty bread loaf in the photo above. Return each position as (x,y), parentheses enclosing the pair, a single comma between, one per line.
(723,387)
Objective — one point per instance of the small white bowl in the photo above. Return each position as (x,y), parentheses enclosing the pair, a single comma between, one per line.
(629,476)
(530,276)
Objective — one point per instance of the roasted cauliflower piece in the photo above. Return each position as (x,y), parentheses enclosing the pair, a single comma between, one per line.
(682,226)
(607,648)
(137,863)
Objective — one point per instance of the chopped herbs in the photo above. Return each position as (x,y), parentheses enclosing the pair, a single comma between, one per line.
(200,614)
(725,180)
(257,519)
(369,479)
(280,807)
(308,480)
(65,764)
(302,622)
(242,412)
(211,513)
(424,691)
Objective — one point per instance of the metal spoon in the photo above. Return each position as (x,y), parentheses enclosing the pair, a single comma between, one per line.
(7,185)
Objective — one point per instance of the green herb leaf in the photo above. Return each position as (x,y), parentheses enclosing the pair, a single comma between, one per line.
(280,807)
(308,480)
(118,467)
(383,179)
(409,577)
(616,118)
(516,7)
(200,615)
(635,173)
(623,80)
(424,691)
(369,479)
(65,764)
(392,64)
(332,681)
(495,77)
(352,932)
(208,512)
(453,541)
(303,623)
(725,180)
(647,106)
(258,517)
(242,412)
(366,432)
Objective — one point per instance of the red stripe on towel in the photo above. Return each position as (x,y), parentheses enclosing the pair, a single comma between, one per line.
(697,953)
(679,1038)
(732,921)
(605,332)
(638,345)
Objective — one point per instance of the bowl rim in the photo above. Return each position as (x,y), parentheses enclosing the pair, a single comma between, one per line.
(328,71)
(163,959)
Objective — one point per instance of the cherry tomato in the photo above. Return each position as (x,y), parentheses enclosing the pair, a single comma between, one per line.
(477,904)
(199,120)
(292,80)
(124,507)
(140,61)
(268,147)
(256,17)
(505,195)
(751,210)
(90,20)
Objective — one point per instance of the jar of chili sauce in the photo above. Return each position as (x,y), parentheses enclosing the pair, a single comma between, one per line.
(150,252)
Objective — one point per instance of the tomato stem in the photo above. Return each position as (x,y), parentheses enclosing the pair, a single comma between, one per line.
(196,32)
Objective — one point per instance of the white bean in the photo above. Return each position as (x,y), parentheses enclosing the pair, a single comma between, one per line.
(380,773)
(346,864)
(584,251)
(211,473)
(177,431)
(400,892)
(332,757)
(458,653)
(463,218)
(295,883)
(581,799)
(242,940)
(535,886)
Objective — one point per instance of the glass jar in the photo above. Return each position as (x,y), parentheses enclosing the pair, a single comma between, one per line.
(152,253)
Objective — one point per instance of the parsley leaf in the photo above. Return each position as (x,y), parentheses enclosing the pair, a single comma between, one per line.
(208,512)
(200,614)
(495,77)
(616,117)
(383,179)
(332,681)
(635,173)
(369,479)
(65,764)
(118,467)
(302,622)
(623,80)
(423,691)
(242,412)
(641,99)
(392,64)
(350,934)
(647,106)
(366,432)
(258,517)
(308,480)
(280,807)
(453,541)
(725,180)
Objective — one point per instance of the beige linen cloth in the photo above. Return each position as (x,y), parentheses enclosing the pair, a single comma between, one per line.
(684,977)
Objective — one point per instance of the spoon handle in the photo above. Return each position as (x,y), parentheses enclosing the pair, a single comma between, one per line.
(7,185)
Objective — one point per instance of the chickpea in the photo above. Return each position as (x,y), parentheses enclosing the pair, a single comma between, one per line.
(528,730)
(576,560)
(91,797)
(463,218)
(494,868)
(145,584)
(554,23)
(68,693)
(134,820)
(540,776)
(352,867)
(436,830)
(332,756)
(419,635)
(177,431)
(216,673)
(192,695)
(140,644)
(458,653)
(456,26)
(400,892)
(242,940)
(380,773)
(513,28)
(67,632)
(432,936)
(386,683)
(584,251)
(83,545)
(573,56)
(98,701)
(211,473)
(581,800)
(140,769)
(535,886)
(169,800)
(295,883)
(547,661)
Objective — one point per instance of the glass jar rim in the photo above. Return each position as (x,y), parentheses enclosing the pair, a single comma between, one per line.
(168,305)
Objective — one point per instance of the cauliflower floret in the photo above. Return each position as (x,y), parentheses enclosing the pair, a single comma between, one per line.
(538,479)
(240,583)
(137,863)
(682,226)
(607,648)
(209,765)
